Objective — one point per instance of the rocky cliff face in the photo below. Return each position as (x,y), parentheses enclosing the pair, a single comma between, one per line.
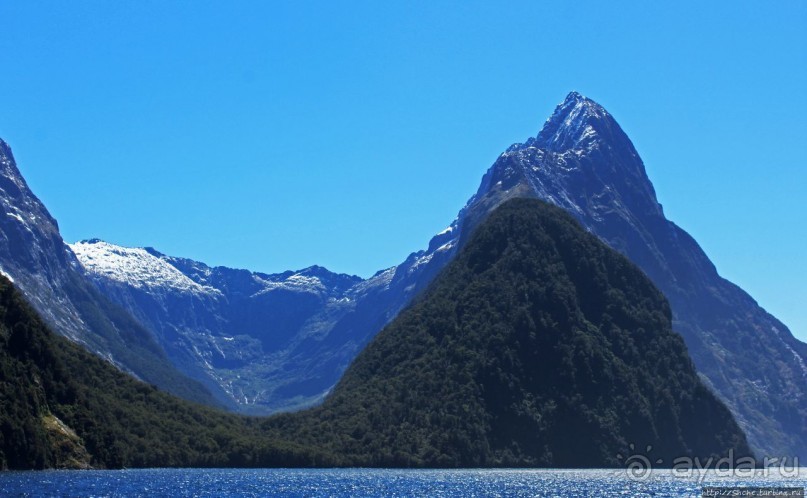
(34,256)
(32,253)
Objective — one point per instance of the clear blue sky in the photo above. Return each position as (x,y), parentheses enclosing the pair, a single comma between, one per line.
(277,135)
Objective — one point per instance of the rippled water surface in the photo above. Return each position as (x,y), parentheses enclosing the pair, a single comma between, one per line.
(368,482)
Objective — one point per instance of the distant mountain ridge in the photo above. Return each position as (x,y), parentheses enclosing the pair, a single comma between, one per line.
(229,328)
(261,343)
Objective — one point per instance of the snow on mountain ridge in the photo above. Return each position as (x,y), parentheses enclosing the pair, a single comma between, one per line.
(147,268)
(573,125)
(296,282)
(135,267)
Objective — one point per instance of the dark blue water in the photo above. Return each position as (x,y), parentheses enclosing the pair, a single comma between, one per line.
(368,482)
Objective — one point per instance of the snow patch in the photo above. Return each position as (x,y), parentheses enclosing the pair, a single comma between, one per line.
(447,246)
(297,282)
(5,274)
(420,261)
(135,267)
(16,217)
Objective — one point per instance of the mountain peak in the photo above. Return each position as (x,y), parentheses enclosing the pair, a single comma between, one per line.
(577,123)
(4,148)
(575,96)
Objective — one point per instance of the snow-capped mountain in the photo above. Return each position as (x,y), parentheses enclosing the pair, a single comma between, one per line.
(234,330)
(259,342)
(34,256)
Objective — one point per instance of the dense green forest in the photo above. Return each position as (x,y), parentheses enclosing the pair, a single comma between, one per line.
(537,346)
